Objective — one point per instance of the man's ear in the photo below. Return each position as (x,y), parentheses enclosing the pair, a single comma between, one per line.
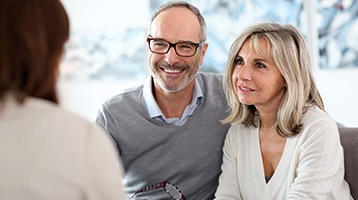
(203,50)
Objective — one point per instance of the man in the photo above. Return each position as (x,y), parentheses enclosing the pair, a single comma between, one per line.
(169,129)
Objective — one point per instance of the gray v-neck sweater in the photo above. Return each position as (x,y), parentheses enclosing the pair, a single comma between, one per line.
(188,156)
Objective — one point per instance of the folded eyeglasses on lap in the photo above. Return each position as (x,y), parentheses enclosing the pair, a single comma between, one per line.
(171,190)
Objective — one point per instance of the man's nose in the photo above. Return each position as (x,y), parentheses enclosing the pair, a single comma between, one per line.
(171,57)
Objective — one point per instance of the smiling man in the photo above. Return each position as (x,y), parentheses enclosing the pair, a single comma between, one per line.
(168,131)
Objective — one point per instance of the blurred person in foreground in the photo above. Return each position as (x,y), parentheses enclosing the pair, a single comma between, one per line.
(46,152)
(168,131)
(282,144)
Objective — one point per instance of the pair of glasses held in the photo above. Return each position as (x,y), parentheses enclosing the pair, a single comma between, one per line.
(171,190)
(184,48)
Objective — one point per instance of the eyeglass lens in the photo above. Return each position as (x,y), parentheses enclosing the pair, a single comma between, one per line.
(173,191)
(181,48)
(169,189)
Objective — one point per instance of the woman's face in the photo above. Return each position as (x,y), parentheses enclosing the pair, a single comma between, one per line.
(256,78)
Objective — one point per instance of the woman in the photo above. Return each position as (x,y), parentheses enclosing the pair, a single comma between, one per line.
(282,144)
(45,152)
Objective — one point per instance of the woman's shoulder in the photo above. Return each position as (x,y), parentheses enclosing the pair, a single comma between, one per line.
(47,116)
(319,124)
(315,115)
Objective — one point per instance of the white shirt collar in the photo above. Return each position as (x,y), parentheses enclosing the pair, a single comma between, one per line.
(152,106)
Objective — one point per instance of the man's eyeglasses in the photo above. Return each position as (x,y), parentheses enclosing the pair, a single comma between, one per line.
(184,49)
(172,190)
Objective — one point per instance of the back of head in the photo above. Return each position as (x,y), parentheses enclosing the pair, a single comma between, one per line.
(32,38)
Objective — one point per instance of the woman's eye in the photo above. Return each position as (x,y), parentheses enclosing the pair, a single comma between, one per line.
(260,65)
(239,61)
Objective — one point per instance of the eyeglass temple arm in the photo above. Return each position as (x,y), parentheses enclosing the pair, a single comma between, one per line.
(152,187)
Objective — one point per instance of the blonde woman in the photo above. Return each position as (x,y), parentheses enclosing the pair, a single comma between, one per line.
(282,144)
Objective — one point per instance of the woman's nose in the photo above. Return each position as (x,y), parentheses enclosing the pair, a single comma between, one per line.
(243,73)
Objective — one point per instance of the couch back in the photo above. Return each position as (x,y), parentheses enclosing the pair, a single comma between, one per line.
(349,140)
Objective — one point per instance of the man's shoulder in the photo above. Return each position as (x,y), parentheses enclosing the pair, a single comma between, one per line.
(127,95)
(209,76)
(210,81)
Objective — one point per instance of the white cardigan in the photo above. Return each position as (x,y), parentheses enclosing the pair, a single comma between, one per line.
(311,166)
(48,153)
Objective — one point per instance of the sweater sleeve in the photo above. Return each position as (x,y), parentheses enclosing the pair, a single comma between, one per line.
(228,188)
(105,120)
(320,160)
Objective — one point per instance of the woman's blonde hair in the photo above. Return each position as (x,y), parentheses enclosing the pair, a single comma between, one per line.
(290,53)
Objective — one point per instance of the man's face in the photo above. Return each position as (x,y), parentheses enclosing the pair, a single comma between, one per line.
(170,71)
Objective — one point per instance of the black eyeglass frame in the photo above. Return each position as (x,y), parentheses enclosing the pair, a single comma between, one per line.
(160,185)
(174,46)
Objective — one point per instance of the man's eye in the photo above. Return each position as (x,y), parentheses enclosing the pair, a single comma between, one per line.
(159,44)
(185,46)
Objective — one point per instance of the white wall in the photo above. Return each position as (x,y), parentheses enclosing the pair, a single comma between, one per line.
(340,94)
(84,98)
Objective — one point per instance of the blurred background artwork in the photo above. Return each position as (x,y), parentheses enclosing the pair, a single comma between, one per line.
(107,49)
(337,22)
(120,52)
(107,40)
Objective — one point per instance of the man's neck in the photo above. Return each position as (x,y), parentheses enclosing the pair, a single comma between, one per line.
(173,104)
